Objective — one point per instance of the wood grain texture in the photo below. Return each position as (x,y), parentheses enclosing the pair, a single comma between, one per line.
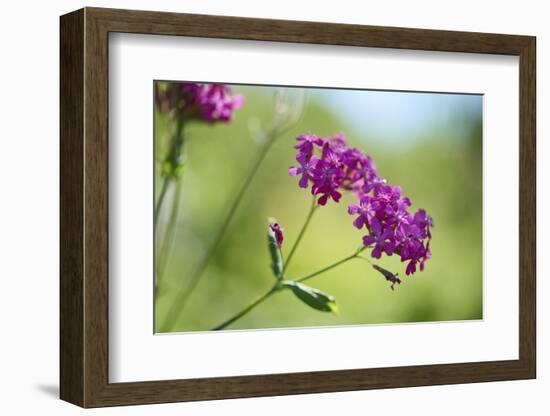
(71,100)
(527,207)
(84,207)
(96,208)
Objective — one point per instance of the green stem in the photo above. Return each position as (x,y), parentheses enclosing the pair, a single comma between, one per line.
(301,234)
(277,129)
(366,259)
(185,290)
(173,159)
(160,200)
(332,266)
(277,287)
(165,248)
(248,308)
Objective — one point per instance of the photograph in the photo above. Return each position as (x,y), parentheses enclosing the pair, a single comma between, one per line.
(285,207)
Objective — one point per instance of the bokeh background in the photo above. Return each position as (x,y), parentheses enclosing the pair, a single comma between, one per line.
(430,144)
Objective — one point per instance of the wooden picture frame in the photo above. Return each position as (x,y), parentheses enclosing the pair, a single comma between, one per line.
(84,207)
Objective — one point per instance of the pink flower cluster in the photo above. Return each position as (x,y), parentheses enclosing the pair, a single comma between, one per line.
(208,102)
(330,167)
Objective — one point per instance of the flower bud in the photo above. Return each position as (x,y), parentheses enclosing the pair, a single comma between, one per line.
(278,231)
(274,242)
(390,277)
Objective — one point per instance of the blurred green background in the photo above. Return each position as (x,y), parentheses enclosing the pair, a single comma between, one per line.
(430,144)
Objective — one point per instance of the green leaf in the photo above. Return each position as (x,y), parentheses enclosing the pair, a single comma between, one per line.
(313,297)
(275,253)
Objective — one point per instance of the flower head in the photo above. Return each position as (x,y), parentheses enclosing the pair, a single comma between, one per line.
(207,102)
(326,171)
(392,229)
(329,166)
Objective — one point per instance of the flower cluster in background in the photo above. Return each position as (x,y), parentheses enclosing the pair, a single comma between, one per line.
(208,102)
(330,166)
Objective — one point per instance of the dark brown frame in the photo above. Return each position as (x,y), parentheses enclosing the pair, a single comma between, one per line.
(84,207)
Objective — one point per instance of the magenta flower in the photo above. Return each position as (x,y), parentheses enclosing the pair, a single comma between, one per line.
(360,170)
(427,255)
(331,167)
(307,144)
(213,102)
(382,238)
(207,102)
(424,222)
(327,177)
(364,209)
(306,169)
(374,183)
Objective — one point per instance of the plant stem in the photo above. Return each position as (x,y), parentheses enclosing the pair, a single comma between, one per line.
(366,259)
(332,266)
(277,287)
(173,157)
(186,290)
(301,234)
(278,127)
(165,248)
(172,177)
(160,200)
(248,308)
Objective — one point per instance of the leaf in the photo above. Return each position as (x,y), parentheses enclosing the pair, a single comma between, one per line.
(313,297)
(275,253)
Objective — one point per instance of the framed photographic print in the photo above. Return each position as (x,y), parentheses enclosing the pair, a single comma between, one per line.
(256,207)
